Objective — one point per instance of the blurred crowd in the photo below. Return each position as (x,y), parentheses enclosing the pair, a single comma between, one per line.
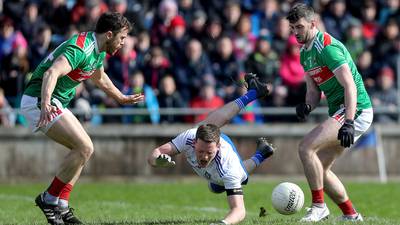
(194,53)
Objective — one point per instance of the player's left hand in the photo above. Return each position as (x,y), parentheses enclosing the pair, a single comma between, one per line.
(346,133)
(131,99)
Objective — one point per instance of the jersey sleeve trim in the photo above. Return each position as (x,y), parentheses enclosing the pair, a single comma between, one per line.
(340,65)
(177,149)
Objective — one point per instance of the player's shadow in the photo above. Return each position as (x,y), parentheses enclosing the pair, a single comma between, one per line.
(156,222)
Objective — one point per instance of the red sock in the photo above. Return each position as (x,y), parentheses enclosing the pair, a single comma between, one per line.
(317,196)
(65,192)
(347,208)
(55,187)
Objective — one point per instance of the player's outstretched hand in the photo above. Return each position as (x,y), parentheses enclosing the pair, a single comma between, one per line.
(302,111)
(47,113)
(346,134)
(131,99)
(164,160)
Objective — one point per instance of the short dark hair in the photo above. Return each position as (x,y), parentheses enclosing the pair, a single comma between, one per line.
(112,21)
(300,10)
(208,133)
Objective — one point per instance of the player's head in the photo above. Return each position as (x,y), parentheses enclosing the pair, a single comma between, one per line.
(302,22)
(115,27)
(207,143)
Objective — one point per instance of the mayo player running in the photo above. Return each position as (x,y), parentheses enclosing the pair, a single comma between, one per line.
(51,89)
(329,68)
(212,154)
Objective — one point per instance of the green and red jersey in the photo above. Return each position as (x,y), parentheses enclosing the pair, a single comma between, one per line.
(84,58)
(321,59)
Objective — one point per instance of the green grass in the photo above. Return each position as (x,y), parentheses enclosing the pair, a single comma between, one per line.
(186,202)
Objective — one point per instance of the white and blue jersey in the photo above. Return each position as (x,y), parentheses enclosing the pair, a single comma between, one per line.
(226,169)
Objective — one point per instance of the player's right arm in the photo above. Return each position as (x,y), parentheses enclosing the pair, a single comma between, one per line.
(161,156)
(59,68)
(313,94)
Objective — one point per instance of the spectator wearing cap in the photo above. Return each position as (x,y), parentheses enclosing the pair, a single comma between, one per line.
(385,95)
(174,44)
(292,72)
(191,73)
(336,19)
(226,69)
(206,99)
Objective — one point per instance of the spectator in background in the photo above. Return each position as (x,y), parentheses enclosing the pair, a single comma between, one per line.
(40,46)
(10,38)
(265,18)
(384,42)
(231,13)
(194,70)
(31,21)
(336,19)
(213,33)
(93,10)
(385,95)
(174,44)
(187,9)
(6,117)
(135,13)
(206,99)
(354,40)
(169,97)
(292,72)
(280,35)
(365,67)
(155,68)
(120,65)
(15,66)
(57,15)
(370,27)
(392,56)
(198,25)
(167,10)
(142,49)
(150,102)
(226,69)
(243,40)
(390,9)
(264,62)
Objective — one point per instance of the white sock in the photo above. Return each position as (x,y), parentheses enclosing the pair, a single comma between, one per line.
(50,199)
(63,204)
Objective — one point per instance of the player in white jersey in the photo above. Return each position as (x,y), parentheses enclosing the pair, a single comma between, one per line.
(212,154)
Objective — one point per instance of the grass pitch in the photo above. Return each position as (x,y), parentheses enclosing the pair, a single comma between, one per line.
(187,202)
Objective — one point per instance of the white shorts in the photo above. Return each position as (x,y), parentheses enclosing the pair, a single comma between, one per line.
(30,109)
(361,123)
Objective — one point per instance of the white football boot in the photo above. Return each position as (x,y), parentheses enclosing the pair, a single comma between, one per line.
(316,213)
(354,218)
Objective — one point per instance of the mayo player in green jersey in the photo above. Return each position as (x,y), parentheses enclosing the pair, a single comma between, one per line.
(49,92)
(329,69)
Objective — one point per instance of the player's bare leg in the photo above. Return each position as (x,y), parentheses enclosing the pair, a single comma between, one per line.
(70,133)
(333,187)
(321,137)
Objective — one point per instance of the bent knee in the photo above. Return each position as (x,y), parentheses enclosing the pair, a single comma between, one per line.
(86,150)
